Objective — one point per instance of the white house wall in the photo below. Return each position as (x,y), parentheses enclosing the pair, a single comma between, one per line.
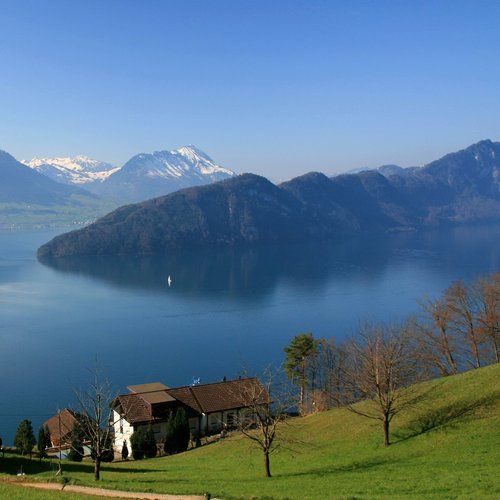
(123,432)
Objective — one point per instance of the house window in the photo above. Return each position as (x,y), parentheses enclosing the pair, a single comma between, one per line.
(230,419)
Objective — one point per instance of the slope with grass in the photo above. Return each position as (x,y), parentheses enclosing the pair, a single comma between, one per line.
(445,447)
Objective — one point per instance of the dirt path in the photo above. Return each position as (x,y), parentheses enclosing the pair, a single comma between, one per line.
(100,492)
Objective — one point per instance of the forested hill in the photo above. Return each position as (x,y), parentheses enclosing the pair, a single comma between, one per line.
(460,188)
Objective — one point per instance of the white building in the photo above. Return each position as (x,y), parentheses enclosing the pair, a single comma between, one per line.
(209,407)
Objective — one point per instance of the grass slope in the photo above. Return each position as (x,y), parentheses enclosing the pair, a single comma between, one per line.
(446,447)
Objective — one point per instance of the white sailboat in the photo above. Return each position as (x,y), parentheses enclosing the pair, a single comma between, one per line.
(169,280)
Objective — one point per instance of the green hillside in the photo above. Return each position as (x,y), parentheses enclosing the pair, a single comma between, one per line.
(446,447)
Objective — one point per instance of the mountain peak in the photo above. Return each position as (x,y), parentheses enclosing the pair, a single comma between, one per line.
(148,175)
(78,169)
(193,149)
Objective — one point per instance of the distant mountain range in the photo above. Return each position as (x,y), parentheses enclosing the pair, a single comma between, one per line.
(76,170)
(19,183)
(28,198)
(150,175)
(460,188)
(386,170)
(77,190)
(144,176)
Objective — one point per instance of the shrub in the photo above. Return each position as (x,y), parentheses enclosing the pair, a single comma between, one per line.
(137,444)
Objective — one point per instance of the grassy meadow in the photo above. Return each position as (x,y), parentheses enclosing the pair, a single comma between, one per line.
(447,446)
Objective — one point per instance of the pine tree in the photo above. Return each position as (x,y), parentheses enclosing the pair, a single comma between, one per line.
(25,438)
(150,448)
(76,450)
(124,450)
(43,441)
(137,444)
(182,430)
(177,434)
(170,435)
(301,347)
(109,454)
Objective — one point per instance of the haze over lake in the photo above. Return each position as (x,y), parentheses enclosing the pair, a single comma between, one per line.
(226,309)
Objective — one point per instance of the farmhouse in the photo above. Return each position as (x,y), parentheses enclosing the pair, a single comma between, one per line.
(61,427)
(209,407)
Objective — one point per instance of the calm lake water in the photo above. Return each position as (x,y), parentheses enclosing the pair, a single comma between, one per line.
(224,311)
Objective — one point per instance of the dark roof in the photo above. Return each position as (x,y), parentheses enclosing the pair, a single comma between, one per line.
(204,398)
(150,387)
(133,408)
(220,396)
(186,396)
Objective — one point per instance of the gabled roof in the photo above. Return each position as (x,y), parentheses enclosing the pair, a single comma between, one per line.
(221,396)
(61,425)
(186,396)
(230,394)
(150,387)
(204,398)
(153,393)
(133,408)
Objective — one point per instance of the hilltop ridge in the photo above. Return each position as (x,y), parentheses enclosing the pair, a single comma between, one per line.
(460,188)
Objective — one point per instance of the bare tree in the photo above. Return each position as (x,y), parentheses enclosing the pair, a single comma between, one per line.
(261,414)
(382,364)
(331,364)
(486,292)
(96,418)
(461,306)
(437,338)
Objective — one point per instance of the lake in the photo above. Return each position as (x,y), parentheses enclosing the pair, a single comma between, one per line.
(225,311)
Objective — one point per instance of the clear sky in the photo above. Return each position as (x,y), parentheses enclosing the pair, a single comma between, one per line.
(273,87)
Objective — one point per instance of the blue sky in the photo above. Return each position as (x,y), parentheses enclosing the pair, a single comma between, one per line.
(278,88)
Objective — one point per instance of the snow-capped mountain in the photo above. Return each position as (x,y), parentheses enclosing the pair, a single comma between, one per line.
(149,175)
(79,170)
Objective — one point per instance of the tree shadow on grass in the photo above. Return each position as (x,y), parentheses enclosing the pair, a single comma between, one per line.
(446,416)
(13,465)
(361,466)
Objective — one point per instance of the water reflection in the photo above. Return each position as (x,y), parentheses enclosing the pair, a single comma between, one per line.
(256,271)
(237,271)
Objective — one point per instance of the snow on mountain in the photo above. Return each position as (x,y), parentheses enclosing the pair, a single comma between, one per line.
(79,170)
(148,175)
(186,161)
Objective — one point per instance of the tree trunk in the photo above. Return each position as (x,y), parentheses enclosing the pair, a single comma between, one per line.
(494,346)
(386,431)
(267,468)
(475,351)
(97,469)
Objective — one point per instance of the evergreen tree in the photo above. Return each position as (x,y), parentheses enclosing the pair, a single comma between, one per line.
(170,435)
(182,430)
(109,454)
(301,347)
(25,438)
(150,448)
(43,441)
(124,450)
(177,434)
(137,444)
(77,438)
(107,451)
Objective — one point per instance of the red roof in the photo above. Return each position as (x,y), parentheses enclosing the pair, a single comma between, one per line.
(61,426)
